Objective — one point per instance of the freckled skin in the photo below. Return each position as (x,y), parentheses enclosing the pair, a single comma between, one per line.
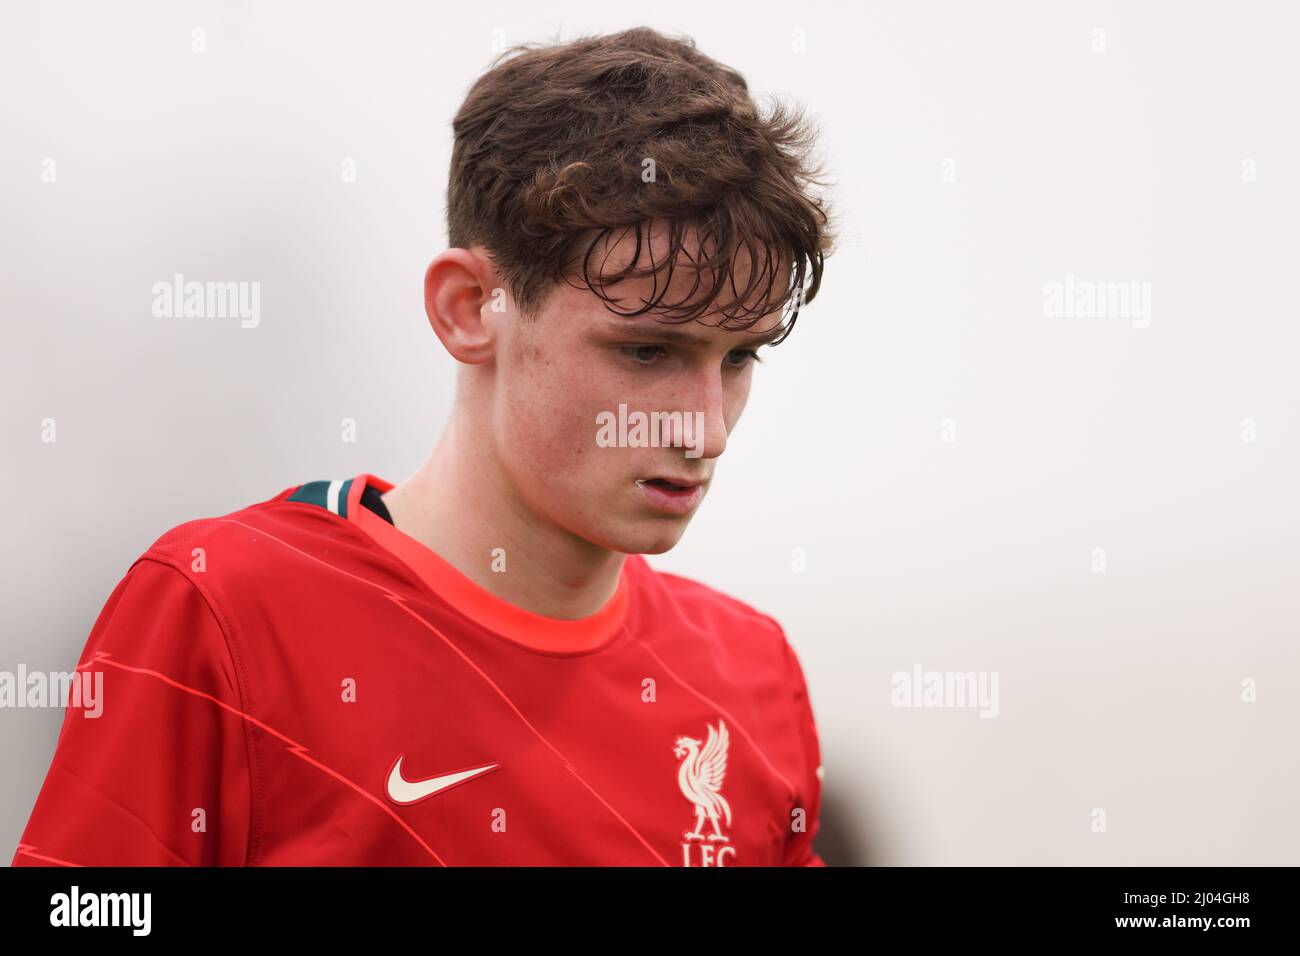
(558,370)
(518,467)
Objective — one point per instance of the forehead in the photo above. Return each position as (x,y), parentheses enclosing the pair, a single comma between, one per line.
(656,279)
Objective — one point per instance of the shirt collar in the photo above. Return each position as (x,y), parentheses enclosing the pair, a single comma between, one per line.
(534,631)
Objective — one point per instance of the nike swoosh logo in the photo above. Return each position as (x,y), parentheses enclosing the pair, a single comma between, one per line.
(404,792)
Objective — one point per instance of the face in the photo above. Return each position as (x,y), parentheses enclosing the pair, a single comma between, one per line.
(577,389)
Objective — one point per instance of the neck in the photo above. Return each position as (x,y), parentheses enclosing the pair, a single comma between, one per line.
(462,506)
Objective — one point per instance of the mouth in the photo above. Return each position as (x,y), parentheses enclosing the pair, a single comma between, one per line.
(677,496)
(670,485)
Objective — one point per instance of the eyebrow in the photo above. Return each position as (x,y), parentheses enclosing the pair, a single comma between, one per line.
(671,333)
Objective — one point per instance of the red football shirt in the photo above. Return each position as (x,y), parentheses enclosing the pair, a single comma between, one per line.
(301,683)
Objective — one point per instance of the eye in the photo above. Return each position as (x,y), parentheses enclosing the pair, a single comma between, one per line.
(745,356)
(642,354)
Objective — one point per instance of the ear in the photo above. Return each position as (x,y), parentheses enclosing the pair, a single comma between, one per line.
(460,290)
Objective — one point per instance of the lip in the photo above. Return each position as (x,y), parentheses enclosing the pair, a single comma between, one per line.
(673,502)
(684,482)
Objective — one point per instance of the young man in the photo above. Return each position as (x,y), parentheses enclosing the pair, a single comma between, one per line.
(476,666)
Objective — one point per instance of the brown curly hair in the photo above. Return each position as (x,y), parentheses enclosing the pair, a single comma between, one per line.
(548,158)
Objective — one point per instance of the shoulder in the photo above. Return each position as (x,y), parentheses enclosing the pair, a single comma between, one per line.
(722,613)
(691,592)
(256,540)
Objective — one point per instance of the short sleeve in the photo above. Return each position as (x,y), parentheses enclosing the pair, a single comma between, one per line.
(151,767)
(799,849)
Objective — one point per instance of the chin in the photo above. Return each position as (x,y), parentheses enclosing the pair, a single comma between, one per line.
(656,540)
(645,537)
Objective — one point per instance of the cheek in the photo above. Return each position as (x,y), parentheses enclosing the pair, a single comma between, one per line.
(550,427)
(736,398)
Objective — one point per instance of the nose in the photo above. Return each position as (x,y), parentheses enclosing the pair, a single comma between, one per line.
(707,401)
